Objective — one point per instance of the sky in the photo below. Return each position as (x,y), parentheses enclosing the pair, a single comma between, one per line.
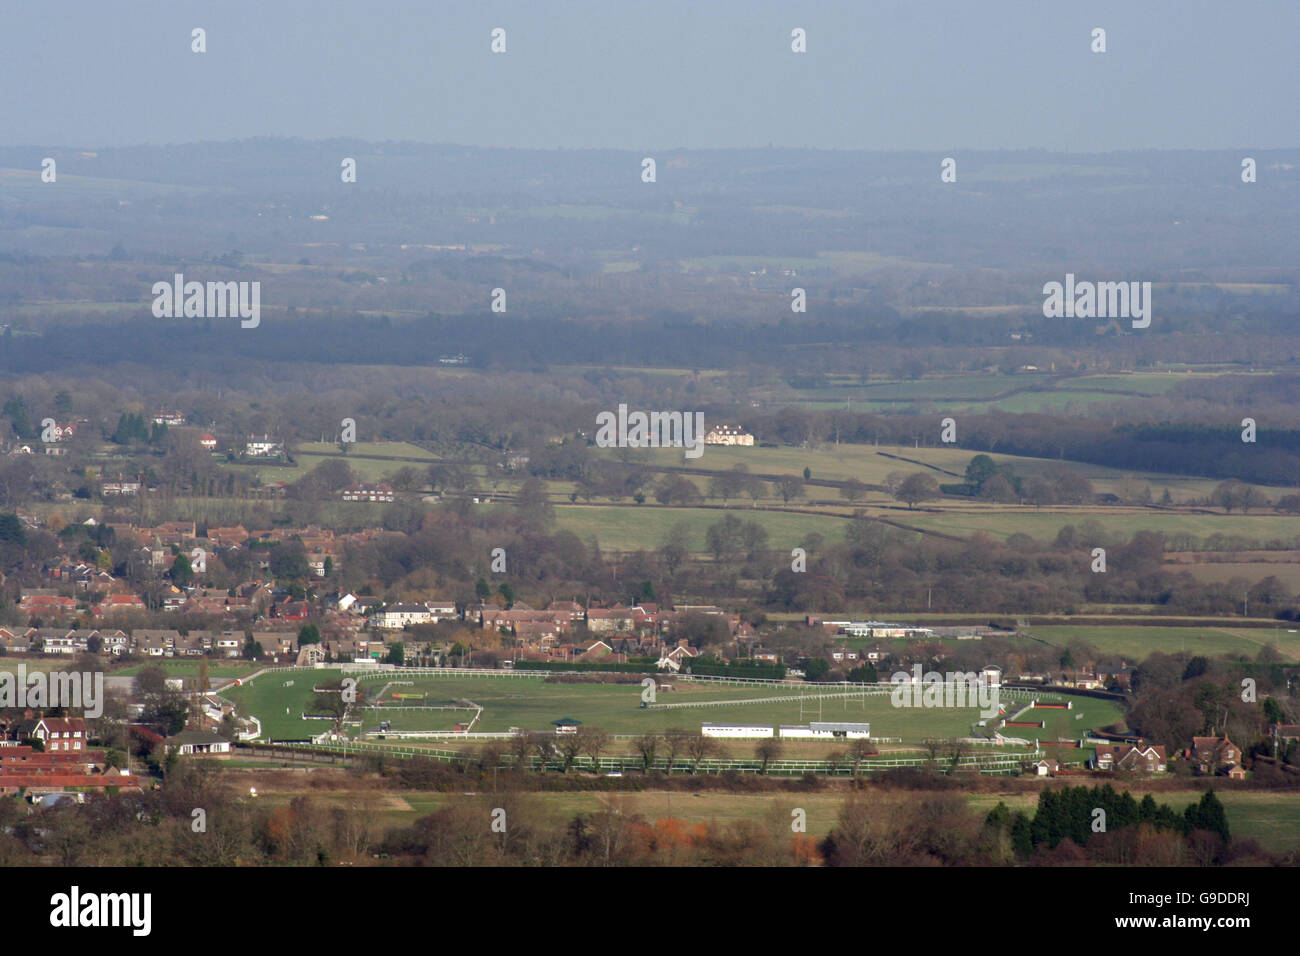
(627,74)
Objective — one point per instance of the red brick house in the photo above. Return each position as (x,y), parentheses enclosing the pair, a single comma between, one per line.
(1215,755)
(58,734)
(1133,758)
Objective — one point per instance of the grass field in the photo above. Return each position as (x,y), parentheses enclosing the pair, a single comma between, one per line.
(978,393)
(1141,641)
(626,527)
(1272,818)
(399,449)
(534,704)
(1044,524)
(870,464)
(1087,714)
(279,699)
(217,670)
(1253,572)
(644,528)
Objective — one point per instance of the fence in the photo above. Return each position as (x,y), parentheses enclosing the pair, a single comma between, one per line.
(999,763)
(764,700)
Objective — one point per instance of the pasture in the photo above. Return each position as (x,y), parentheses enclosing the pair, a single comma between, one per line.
(634,528)
(1140,641)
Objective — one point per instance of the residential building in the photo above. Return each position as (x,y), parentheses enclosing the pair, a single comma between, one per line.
(1137,758)
(263,446)
(728,435)
(367,491)
(397,616)
(1214,754)
(58,734)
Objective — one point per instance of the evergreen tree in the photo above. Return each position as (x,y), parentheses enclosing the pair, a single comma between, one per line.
(1022,835)
(1207,815)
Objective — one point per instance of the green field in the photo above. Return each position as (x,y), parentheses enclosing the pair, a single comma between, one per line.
(1141,641)
(398,449)
(532,703)
(267,698)
(1272,818)
(636,528)
(983,392)
(1132,641)
(870,464)
(310,454)
(217,670)
(1250,571)
(1044,524)
(1086,715)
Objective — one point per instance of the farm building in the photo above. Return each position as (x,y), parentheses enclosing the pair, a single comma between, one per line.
(879,629)
(197,742)
(828,730)
(737,731)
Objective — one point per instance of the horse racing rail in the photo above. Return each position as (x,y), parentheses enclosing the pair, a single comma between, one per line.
(1010,762)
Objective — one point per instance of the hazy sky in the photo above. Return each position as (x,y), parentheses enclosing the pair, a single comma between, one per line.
(878,74)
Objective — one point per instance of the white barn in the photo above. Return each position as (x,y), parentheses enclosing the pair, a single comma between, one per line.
(828,730)
(737,731)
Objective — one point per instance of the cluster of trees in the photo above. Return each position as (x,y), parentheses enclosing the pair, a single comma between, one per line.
(140,829)
(135,428)
(1097,824)
(939,828)
(1177,697)
(617,835)
(991,481)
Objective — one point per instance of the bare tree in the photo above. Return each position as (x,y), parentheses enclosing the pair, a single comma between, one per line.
(852,490)
(789,487)
(674,745)
(860,748)
(768,749)
(917,487)
(569,746)
(698,747)
(543,745)
(592,742)
(647,745)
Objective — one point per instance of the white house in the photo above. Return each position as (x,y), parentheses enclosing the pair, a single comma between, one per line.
(442,611)
(229,644)
(728,435)
(263,446)
(397,616)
